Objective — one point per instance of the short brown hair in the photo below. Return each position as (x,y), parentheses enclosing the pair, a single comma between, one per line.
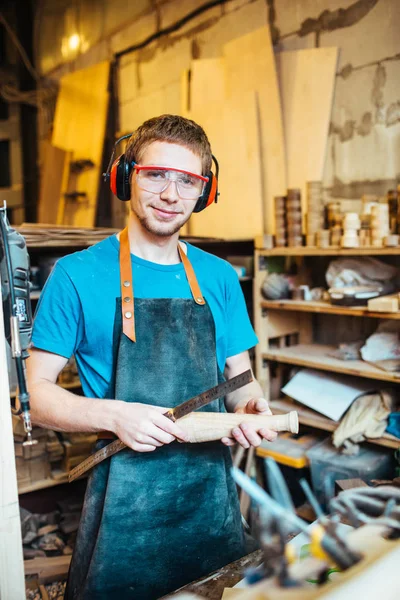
(174,130)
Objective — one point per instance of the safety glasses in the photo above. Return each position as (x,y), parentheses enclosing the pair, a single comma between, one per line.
(155,180)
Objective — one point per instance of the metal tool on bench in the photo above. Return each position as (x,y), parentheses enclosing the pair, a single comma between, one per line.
(326,540)
(173,414)
(15,293)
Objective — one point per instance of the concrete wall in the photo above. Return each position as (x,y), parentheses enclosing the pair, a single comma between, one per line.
(364,141)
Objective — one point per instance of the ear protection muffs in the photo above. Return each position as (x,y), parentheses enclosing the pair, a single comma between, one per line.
(210,192)
(119,173)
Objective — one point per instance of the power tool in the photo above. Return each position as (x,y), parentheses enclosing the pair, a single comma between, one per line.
(15,293)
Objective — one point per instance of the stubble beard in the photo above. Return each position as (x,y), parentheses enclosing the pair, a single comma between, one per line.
(168,230)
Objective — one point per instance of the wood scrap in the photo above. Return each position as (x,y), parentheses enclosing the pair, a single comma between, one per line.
(79,127)
(388,304)
(53,180)
(307,83)
(250,65)
(51,568)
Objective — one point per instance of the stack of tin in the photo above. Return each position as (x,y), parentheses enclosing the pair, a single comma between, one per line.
(392,199)
(314,219)
(351,226)
(294,218)
(280,221)
(379,224)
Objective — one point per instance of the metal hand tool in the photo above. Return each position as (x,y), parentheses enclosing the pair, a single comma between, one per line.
(173,414)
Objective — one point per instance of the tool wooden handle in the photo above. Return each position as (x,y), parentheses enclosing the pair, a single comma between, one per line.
(206,426)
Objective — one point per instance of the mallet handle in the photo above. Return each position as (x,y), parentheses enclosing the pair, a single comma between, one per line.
(206,426)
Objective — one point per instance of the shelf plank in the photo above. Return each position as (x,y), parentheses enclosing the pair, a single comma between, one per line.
(327,308)
(316,356)
(42,484)
(331,251)
(313,419)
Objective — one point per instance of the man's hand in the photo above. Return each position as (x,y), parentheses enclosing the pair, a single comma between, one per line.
(247,434)
(144,428)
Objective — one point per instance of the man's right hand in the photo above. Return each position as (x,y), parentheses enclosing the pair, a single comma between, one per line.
(144,428)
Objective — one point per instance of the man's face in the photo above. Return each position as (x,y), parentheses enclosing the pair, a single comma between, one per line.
(164,213)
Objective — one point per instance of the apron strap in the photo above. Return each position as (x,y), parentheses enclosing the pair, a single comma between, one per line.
(125,268)
(127,298)
(191,277)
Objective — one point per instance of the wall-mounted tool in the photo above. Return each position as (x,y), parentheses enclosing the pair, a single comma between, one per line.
(15,288)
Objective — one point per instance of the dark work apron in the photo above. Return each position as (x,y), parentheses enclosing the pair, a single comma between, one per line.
(152,522)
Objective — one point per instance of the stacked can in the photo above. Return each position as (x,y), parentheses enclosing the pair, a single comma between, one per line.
(294,218)
(323,237)
(364,235)
(351,226)
(280,221)
(315,217)
(333,219)
(392,200)
(379,224)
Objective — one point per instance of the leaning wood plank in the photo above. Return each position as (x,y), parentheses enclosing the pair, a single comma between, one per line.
(307,83)
(12,585)
(51,568)
(250,64)
(207,83)
(232,125)
(53,181)
(79,127)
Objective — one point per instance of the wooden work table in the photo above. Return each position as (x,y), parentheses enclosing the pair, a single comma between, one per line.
(212,586)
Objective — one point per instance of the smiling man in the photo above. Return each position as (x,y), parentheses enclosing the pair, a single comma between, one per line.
(152,321)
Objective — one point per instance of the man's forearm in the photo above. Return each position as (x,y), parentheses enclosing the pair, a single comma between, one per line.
(240,397)
(56,408)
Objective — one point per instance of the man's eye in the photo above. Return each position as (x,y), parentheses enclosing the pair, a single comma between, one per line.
(186,180)
(155,175)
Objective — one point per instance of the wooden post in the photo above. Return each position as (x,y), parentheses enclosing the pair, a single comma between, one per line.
(12,581)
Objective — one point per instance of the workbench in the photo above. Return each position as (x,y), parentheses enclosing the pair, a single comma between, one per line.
(212,586)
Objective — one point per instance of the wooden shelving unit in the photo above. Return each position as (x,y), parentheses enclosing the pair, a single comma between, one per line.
(317,356)
(285,329)
(312,419)
(326,308)
(331,251)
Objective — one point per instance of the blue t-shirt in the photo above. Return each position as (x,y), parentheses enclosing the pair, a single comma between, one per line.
(75,313)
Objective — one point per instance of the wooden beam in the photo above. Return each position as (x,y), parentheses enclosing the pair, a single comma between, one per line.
(12,584)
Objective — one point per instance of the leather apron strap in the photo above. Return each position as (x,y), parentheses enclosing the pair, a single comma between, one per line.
(127,295)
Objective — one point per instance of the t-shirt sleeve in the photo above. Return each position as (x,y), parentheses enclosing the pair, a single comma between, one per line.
(241,335)
(57,325)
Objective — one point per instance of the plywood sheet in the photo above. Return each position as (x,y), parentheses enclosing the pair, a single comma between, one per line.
(79,127)
(250,65)
(207,83)
(307,83)
(232,130)
(53,182)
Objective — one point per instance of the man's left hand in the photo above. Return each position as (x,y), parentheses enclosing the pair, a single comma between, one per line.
(247,434)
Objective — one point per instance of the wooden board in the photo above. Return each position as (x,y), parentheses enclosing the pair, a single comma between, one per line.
(317,356)
(326,308)
(79,127)
(12,586)
(207,84)
(307,83)
(53,181)
(250,64)
(48,569)
(231,125)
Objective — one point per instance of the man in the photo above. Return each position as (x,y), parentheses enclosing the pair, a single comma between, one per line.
(151,322)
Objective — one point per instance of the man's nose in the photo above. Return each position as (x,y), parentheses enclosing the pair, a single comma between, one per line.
(170,192)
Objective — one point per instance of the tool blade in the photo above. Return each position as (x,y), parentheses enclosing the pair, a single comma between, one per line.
(212,394)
